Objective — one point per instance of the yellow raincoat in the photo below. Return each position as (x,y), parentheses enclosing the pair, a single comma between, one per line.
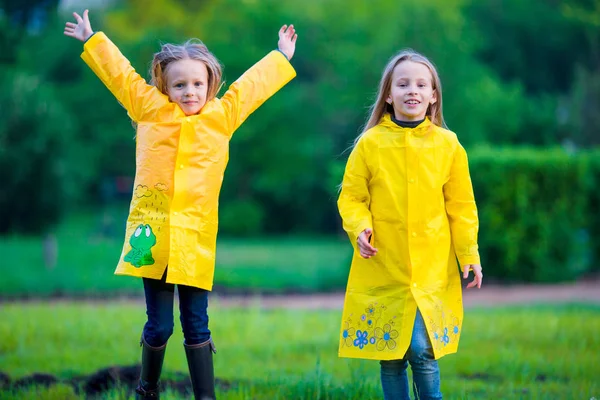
(180,162)
(412,187)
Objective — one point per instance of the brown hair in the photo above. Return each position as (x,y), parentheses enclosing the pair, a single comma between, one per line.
(380,107)
(193,49)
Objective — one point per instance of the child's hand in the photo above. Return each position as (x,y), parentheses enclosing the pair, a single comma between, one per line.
(287,41)
(82,30)
(476,268)
(364,247)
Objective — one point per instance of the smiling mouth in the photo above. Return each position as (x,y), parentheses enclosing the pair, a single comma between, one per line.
(412,102)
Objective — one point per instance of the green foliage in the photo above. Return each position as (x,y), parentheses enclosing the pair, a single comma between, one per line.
(551,48)
(537,213)
(291,354)
(592,215)
(33,147)
(242,218)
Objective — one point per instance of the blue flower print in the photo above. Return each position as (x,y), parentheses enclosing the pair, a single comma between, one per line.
(347,334)
(372,340)
(363,317)
(446,338)
(361,339)
(455,324)
(385,337)
(370,310)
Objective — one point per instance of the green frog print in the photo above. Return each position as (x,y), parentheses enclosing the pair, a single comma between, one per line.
(141,242)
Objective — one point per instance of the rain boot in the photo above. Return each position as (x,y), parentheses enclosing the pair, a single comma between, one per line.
(152,362)
(200,363)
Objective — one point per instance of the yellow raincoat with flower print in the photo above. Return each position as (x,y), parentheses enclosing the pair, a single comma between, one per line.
(412,187)
(180,161)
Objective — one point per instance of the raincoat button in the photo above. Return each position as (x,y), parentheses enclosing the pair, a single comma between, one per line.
(414,284)
(412,180)
(175,213)
(181,166)
(414,234)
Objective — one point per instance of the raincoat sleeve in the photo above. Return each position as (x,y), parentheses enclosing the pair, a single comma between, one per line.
(254,87)
(355,199)
(461,209)
(114,70)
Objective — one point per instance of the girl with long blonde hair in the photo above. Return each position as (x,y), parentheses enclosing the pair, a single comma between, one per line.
(407,204)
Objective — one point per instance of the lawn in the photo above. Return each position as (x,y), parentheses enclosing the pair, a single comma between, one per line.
(537,352)
(87,260)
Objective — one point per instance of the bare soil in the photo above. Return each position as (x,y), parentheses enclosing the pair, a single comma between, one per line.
(487,296)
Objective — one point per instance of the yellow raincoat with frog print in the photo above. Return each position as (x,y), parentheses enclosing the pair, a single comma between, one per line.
(412,187)
(180,161)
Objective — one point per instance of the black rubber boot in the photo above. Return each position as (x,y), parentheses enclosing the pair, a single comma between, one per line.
(200,363)
(152,362)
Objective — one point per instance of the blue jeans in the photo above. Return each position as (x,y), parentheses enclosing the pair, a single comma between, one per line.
(193,309)
(426,373)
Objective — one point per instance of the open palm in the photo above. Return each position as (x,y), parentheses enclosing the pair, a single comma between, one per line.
(82,30)
(287,40)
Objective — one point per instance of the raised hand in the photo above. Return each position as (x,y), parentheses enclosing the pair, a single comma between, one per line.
(82,30)
(287,40)
(364,247)
(476,268)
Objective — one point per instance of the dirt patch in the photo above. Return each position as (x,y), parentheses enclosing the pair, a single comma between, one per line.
(487,296)
(490,295)
(94,386)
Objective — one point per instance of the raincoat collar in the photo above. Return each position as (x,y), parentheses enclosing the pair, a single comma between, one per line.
(422,129)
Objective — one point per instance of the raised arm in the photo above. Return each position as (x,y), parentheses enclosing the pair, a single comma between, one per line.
(260,82)
(114,70)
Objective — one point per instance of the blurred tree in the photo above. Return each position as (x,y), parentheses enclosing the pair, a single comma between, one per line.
(531,42)
(583,100)
(28,14)
(547,47)
(34,147)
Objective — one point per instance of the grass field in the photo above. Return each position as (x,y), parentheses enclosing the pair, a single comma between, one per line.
(86,262)
(541,352)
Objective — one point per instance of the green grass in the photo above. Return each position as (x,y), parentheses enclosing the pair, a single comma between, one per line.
(86,263)
(542,352)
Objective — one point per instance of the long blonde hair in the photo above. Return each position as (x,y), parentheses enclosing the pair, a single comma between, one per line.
(193,49)
(380,107)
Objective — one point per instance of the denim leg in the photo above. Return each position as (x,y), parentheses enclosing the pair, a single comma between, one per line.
(394,380)
(159,308)
(193,308)
(426,373)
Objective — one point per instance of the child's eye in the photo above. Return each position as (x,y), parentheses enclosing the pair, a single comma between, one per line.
(198,84)
(179,85)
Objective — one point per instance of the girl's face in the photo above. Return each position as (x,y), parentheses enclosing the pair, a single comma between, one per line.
(187,84)
(412,91)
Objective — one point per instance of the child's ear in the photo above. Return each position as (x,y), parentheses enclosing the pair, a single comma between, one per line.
(389,100)
(433,99)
